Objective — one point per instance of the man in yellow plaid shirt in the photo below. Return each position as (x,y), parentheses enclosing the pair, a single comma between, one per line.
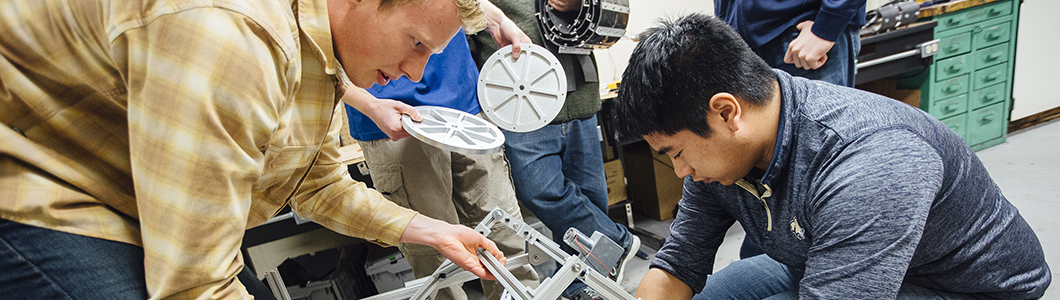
(140,138)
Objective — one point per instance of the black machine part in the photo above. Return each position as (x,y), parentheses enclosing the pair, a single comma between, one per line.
(597,24)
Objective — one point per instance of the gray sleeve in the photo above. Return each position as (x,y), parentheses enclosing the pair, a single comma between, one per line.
(695,236)
(867,215)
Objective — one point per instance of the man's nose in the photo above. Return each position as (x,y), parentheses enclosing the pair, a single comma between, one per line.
(682,169)
(413,67)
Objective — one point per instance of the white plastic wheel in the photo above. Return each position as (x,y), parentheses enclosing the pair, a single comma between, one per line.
(454,130)
(522,95)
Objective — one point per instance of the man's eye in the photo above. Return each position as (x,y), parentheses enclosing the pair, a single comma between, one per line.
(416,42)
(678,154)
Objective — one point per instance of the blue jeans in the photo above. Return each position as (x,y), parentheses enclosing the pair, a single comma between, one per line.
(761,277)
(40,263)
(838,69)
(558,172)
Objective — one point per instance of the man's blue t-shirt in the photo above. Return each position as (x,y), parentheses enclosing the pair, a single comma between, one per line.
(449,80)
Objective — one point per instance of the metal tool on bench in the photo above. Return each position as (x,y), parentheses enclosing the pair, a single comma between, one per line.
(890,16)
(598,256)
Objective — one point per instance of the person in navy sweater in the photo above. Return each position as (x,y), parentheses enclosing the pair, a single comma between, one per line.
(813,39)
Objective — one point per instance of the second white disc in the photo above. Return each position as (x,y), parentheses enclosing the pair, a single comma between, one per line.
(522,95)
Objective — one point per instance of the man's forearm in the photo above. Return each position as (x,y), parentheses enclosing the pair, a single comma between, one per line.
(494,15)
(658,284)
(358,98)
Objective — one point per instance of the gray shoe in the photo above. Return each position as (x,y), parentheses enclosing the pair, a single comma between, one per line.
(634,246)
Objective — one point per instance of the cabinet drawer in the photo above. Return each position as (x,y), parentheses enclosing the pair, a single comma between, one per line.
(992,35)
(949,107)
(991,56)
(956,123)
(972,15)
(986,96)
(989,76)
(950,87)
(952,67)
(954,45)
(986,123)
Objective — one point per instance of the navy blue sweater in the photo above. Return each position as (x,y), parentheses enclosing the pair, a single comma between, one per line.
(759,21)
(863,193)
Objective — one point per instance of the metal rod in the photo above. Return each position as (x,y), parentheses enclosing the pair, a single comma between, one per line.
(886,59)
(506,278)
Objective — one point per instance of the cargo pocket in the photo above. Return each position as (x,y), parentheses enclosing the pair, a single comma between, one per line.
(388,181)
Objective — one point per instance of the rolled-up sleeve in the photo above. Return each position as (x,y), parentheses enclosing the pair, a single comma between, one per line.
(330,197)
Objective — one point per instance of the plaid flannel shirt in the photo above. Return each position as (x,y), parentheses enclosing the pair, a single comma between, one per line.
(176,125)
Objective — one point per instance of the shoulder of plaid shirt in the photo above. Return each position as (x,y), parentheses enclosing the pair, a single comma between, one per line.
(176,126)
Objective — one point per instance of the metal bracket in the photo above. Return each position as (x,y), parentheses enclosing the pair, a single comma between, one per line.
(574,267)
(574,50)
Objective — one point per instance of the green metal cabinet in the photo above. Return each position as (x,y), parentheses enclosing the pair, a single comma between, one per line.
(969,87)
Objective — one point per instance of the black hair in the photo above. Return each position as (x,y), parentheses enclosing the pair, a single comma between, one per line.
(677,67)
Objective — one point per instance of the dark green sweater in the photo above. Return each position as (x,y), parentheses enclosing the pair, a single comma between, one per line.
(583,102)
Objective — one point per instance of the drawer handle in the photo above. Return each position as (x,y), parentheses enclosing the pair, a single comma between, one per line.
(951,89)
(951,108)
(991,77)
(954,47)
(953,69)
(987,118)
(992,57)
(993,36)
(989,97)
(953,21)
(955,127)
(993,11)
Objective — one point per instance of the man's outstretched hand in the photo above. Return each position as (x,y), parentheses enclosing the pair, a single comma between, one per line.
(456,242)
(385,113)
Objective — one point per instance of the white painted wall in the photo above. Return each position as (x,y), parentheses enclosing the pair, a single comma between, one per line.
(643,14)
(1037,60)
(1034,87)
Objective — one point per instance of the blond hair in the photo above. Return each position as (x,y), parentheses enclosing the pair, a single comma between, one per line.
(470,12)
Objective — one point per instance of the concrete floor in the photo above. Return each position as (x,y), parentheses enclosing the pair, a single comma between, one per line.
(1026,167)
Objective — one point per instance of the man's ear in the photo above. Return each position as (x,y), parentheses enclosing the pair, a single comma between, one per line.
(726,110)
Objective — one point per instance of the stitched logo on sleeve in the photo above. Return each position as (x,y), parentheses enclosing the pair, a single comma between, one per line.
(797,230)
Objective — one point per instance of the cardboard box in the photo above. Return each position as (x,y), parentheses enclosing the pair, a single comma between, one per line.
(616,182)
(889,88)
(605,126)
(654,189)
